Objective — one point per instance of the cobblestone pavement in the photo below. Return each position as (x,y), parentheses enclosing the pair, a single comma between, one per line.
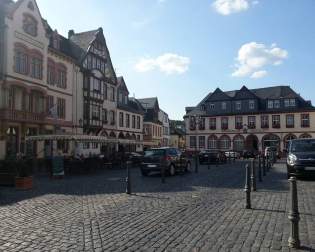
(191,212)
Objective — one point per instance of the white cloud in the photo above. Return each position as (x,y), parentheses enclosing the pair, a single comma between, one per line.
(168,63)
(259,74)
(252,57)
(227,7)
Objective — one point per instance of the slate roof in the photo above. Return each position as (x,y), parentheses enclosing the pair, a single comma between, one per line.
(148,103)
(122,84)
(84,39)
(276,92)
(134,106)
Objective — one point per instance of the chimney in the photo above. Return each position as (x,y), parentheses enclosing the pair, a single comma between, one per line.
(70,33)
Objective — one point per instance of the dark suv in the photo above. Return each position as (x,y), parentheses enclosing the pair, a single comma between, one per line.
(171,159)
(301,157)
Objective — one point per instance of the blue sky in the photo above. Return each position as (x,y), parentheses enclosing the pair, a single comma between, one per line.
(181,50)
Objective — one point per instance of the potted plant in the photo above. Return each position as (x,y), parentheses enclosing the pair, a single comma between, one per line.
(24,172)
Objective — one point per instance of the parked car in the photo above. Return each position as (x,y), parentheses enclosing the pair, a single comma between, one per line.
(232,154)
(249,154)
(211,156)
(301,157)
(171,159)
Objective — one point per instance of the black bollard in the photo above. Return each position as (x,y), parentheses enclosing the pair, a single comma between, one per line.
(294,216)
(196,163)
(253,175)
(247,188)
(259,169)
(264,165)
(208,162)
(128,181)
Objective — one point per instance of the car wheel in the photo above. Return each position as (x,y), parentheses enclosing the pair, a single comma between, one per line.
(172,170)
(188,167)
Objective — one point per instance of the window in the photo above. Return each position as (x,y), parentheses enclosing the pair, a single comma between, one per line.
(270,104)
(138,122)
(21,60)
(121,119)
(94,145)
(61,76)
(133,121)
(223,105)
(212,106)
(290,121)
(212,142)
(112,94)
(95,112)
(238,122)
(97,85)
(276,104)
(251,104)
(202,123)
(225,143)
(252,122)
(104,115)
(213,123)
(120,97)
(201,142)
(202,107)
(238,105)
(192,140)
(127,120)
(105,91)
(192,123)
(50,105)
(292,102)
(36,66)
(112,117)
(51,72)
(224,123)
(276,121)
(264,121)
(61,108)
(305,120)
(239,143)
(86,145)
(287,103)
(30,25)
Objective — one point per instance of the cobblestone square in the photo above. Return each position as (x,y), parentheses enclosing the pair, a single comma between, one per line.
(190,212)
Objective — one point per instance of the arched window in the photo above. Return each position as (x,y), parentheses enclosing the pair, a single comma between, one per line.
(30,25)
(287,138)
(36,64)
(61,74)
(225,143)
(239,143)
(305,135)
(51,74)
(21,59)
(212,142)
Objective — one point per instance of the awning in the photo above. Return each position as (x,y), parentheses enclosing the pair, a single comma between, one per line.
(80,138)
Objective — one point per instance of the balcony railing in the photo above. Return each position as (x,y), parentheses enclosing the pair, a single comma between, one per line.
(22,116)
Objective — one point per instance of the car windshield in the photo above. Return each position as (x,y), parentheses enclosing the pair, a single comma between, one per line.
(303,146)
(154,153)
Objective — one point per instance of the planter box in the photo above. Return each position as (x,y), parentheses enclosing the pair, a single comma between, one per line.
(24,183)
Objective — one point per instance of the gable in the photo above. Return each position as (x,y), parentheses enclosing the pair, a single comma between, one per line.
(244,93)
(218,95)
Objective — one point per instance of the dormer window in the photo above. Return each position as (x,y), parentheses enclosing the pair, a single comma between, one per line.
(238,105)
(30,25)
(202,107)
(223,105)
(276,104)
(292,103)
(251,104)
(211,106)
(270,104)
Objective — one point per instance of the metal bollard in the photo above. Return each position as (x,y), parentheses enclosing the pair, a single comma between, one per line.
(128,181)
(259,169)
(294,216)
(196,163)
(163,174)
(247,188)
(253,175)
(208,163)
(264,166)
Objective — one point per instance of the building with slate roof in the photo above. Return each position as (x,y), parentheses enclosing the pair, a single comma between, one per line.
(249,119)
(51,84)
(152,124)
(40,81)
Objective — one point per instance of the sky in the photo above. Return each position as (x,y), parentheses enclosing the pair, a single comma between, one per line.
(180,50)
